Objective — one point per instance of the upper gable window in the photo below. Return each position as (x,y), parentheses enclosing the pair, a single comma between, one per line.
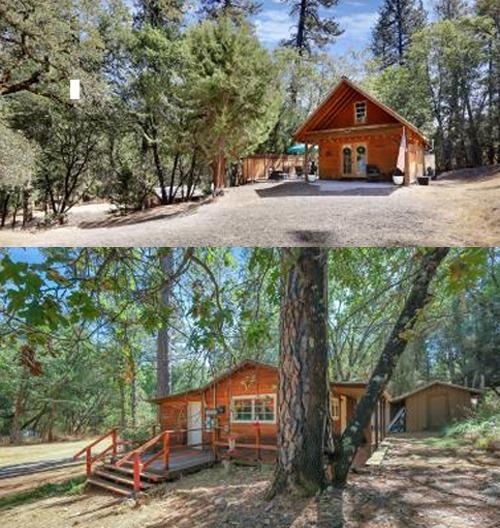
(360,112)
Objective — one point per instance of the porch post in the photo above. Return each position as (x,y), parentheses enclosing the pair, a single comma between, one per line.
(306,163)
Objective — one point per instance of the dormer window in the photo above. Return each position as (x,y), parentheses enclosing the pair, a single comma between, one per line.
(360,112)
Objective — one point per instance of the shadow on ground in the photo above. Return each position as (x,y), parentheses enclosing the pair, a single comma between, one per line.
(307,189)
(156,213)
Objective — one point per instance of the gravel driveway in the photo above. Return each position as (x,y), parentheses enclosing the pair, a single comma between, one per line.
(455,211)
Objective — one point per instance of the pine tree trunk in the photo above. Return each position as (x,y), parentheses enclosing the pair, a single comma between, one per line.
(163,344)
(15,429)
(303,402)
(346,447)
(27,200)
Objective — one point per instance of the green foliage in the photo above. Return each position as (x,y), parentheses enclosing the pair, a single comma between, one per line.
(231,89)
(482,427)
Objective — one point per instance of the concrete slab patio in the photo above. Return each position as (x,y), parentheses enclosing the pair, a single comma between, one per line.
(453,211)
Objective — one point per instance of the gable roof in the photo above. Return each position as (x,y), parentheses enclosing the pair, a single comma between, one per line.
(226,374)
(431,384)
(249,363)
(329,101)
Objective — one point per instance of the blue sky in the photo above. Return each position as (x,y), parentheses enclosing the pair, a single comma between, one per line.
(356,18)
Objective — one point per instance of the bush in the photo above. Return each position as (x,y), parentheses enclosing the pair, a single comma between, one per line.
(483,426)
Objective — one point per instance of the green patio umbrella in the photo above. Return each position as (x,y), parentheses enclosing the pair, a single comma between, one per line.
(299,148)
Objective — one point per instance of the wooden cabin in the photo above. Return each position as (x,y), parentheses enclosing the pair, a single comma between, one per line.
(433,406)
(239,408)
(357,135)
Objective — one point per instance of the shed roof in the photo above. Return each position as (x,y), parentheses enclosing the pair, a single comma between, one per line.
(431,384)
(329,101)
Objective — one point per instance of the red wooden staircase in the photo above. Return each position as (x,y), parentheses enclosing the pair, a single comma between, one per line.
(141,468)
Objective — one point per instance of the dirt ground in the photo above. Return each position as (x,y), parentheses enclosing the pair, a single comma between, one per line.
(27,466)
(461,208)
(417,485)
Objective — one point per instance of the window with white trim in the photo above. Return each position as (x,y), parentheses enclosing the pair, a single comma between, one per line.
(260,408)
(335,409)
(360,112)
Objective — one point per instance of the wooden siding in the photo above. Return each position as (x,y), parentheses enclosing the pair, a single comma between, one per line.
(249,380)
(382,148)
(332,126)
(436,406)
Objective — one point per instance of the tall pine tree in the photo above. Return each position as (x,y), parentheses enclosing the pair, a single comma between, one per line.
(398,20)
(312,29)
(232,8)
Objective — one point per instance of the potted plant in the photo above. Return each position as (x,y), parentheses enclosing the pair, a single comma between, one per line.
(398,177)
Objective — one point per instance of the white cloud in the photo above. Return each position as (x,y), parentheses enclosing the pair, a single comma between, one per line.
(273,26)
(357,26)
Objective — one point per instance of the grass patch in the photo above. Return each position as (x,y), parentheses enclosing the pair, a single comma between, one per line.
(482,428)
(73,486)
(445,442)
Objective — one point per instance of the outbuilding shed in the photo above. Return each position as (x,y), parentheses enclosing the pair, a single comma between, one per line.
(433,406)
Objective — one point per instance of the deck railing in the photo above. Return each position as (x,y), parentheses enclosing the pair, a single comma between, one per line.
(89,459)
(164,439)
(231,442)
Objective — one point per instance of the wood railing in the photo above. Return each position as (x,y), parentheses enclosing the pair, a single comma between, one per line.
(232,444)
(89,460)
(164,439)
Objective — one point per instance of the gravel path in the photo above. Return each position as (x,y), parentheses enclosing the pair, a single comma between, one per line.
(452,211)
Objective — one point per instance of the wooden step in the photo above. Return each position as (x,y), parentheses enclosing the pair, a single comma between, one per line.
(110,486)
(130,471)
(128,481)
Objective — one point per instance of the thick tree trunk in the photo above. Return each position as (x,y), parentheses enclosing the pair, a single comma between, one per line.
(219,171)
(15,429)
(346,447)
(163,348)
(303,413)
(27,200)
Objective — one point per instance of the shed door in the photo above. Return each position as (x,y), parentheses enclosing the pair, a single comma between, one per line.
(437,411)
(194,423)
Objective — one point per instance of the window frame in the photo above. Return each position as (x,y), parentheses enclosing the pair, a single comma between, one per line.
(365,118)
(335,407)
(253,397)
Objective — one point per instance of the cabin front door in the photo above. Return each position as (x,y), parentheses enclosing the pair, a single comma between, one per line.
(354,159)
(194,424)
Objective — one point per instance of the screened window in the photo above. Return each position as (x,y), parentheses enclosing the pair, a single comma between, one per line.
(254,409)
(360,112)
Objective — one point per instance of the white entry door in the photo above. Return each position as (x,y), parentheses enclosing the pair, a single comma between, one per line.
(194,423)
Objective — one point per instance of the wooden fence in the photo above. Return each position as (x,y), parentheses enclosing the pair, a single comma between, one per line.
(259,166)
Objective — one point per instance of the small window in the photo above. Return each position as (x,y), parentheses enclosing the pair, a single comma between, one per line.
(254,409)
(335,409)
(360,112)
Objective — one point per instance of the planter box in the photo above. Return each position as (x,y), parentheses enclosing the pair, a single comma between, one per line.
(423,180)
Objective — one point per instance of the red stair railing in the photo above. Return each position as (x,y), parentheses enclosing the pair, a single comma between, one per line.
(89,460)
(135,456)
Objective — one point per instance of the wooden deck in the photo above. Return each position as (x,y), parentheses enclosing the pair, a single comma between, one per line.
(181,460)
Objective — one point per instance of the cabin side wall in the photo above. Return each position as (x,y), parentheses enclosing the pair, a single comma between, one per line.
(435,407)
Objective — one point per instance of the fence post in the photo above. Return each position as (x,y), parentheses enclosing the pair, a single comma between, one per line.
(137,472)
(166,449)
(88,461)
